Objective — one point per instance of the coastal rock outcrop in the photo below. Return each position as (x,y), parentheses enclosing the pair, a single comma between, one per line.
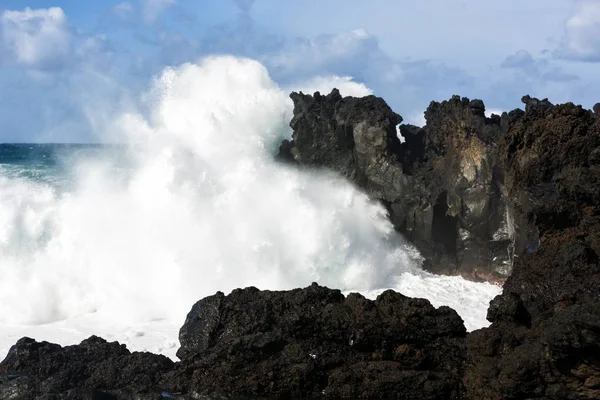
(442,184)
(94,369)
(544,341)
(472,193)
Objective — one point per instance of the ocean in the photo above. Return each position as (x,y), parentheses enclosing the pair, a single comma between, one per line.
(119,241)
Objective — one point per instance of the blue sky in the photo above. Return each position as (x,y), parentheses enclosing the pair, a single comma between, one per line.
(67,65)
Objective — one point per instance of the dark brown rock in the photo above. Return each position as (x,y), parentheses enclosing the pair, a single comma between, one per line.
(314,341)
(472,193)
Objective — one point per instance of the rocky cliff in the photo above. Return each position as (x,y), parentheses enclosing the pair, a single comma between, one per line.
(471,192)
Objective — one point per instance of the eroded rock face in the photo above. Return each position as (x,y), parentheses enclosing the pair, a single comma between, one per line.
(544,341)
(315,342)
(472,193)
(442,186)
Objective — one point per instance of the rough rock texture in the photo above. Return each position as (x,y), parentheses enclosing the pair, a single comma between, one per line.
(93,369)
(472,193)
(315,341)
(305,343)
(545,338)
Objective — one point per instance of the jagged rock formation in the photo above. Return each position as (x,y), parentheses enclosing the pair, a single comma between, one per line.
(316,343)
(525,184)
(442,186)
(470,192)
(545,338)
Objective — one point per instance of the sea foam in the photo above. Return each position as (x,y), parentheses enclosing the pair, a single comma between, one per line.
(204,208)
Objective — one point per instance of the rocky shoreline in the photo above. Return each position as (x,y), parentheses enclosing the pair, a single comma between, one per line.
(511,198)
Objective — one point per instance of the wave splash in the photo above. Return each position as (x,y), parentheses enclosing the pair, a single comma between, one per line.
(204,209)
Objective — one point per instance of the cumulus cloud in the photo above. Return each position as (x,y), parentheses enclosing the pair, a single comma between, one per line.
(151,9)
(34,38)
(582,32)
(408,86)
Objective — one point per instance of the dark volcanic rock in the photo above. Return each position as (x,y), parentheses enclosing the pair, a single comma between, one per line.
(485,197)
(442,186)
(472,193)
(557,358)
(94,369)
(545,338)
(314,342)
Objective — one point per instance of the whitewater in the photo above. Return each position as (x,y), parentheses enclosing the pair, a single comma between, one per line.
(123,252)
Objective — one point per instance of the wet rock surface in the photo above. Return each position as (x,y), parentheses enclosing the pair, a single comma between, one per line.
(465,189)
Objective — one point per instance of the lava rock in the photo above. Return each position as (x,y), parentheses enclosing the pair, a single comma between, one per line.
(314,342)
(442,186)
(558,358)
(472,193)
(94,369)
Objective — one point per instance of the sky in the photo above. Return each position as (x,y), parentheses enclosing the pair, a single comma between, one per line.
(67,67)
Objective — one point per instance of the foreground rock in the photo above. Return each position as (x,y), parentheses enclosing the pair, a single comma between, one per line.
(302,343)
(93,369)
(472,193)
(315,342)
(545,338)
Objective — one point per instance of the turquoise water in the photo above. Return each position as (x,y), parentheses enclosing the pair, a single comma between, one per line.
(54,164)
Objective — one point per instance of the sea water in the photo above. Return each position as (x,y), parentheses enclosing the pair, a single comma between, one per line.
(120,240)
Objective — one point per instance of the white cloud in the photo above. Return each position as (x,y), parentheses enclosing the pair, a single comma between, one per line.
(355,53)
(582,32)
(34,37)
(151,9)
